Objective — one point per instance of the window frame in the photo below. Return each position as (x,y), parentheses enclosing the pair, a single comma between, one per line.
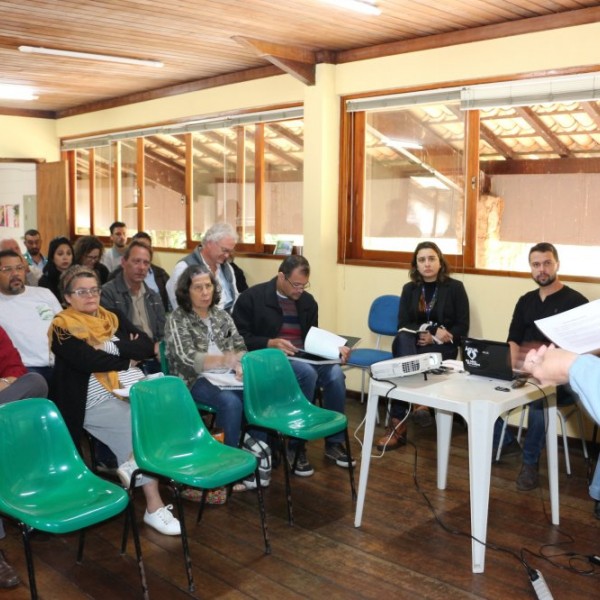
(351,191)
(273,114)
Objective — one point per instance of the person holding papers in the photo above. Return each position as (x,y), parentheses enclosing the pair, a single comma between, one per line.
(433,317)
(204,348)
(279,314)
(551,297)
(554,366)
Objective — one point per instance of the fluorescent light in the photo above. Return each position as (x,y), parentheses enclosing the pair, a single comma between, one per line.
(367,7)
(126,60)
(9,91)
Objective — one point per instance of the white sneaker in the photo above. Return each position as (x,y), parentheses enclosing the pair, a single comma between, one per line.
(163,521)
(125,471)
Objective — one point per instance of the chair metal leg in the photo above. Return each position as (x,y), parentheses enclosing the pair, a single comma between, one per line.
(81,546)
(581,432)
(286,470)
(184,540)
(563,432)
(501,441)
(29,558)
(130,517)
(202,505)
(261,510)
(350,467)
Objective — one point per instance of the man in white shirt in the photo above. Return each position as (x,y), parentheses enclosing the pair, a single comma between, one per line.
(26,313)
(218,244)
(118,234)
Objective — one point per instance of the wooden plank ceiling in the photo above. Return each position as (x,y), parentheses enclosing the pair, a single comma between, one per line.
(204,42)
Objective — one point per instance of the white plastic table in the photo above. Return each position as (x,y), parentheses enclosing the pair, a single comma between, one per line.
(480,404)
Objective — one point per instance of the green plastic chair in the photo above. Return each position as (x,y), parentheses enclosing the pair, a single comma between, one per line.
(164,367)
(45,483)
(171,441)
(273,401)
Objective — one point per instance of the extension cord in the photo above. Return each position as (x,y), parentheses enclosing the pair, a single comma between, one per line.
(540,586)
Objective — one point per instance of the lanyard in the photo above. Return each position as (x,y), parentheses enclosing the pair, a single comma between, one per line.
(429,305)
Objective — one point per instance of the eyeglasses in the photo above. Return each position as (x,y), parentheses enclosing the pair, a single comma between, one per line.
(299,286)
(83,292)
(17,268)
(226,250)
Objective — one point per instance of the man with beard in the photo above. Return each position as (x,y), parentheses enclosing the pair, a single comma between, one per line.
(26,313)
(551,297)
(118,235)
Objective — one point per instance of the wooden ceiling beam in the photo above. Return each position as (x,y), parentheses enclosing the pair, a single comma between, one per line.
(298,62)
(544,131)
(544,166)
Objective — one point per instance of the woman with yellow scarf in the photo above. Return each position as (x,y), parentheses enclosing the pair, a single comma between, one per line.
(97,352)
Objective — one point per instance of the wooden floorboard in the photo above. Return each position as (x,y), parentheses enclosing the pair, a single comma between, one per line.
(401,550)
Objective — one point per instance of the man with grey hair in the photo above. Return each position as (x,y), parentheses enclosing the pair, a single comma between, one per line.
(218,244)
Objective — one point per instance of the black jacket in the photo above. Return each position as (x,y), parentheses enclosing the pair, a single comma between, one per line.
(258,316)
(451,308)
(75,362)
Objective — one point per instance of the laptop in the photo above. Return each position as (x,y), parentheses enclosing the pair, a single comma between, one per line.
(487,358)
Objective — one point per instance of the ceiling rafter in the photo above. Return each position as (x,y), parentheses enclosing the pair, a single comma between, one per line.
(293,60)
(543,130)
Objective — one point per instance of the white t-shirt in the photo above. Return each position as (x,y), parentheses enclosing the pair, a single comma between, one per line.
(26,318)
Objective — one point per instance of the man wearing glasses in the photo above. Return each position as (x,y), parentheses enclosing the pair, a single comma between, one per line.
(279,314)
(218,245)
(26,313)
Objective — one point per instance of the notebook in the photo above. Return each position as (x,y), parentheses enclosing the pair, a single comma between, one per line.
(489,359)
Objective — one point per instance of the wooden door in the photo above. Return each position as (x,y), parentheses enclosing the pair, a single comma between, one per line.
(53,214)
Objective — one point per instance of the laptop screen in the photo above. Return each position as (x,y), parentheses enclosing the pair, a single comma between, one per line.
(487,358)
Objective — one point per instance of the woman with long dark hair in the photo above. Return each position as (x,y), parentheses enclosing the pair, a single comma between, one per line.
(60,258)
(433,317)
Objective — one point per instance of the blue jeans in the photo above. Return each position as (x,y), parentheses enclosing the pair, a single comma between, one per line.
(331,379)
(535,439)
(229,405)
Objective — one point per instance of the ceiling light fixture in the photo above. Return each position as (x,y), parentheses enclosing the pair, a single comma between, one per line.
(367,7)
(9,91)
(126,60)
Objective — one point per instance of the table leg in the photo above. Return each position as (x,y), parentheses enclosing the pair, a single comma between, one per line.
(365,461)
(444,421)
(481,428)
(552,457)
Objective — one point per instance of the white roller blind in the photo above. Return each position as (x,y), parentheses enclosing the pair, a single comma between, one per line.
(209,124)
(524,92)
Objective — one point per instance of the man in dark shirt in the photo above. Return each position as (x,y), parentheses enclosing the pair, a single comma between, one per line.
(551,297)
(278,314)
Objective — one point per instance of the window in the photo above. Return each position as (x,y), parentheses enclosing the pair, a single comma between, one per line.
(176,181)
(485,171)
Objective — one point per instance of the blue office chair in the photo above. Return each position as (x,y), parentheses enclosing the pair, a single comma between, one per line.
(383,320)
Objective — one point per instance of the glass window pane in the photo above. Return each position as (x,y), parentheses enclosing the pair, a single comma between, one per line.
(284,176)
(414,182)
(218,185)
(104,201)
(82,193)
(129,184)
(540,183)
(164,189)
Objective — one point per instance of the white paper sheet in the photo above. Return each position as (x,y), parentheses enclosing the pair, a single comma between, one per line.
(576,330)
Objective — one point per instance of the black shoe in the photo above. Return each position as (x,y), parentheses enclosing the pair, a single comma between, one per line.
(597,509)
(511,449)
(528,478)
(303,467)
(337,452)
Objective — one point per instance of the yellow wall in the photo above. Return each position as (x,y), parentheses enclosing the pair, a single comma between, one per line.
(344,292)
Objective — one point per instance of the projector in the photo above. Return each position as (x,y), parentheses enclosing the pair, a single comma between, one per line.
(406,365)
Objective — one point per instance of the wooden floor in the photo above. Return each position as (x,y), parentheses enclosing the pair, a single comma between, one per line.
(399,552)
